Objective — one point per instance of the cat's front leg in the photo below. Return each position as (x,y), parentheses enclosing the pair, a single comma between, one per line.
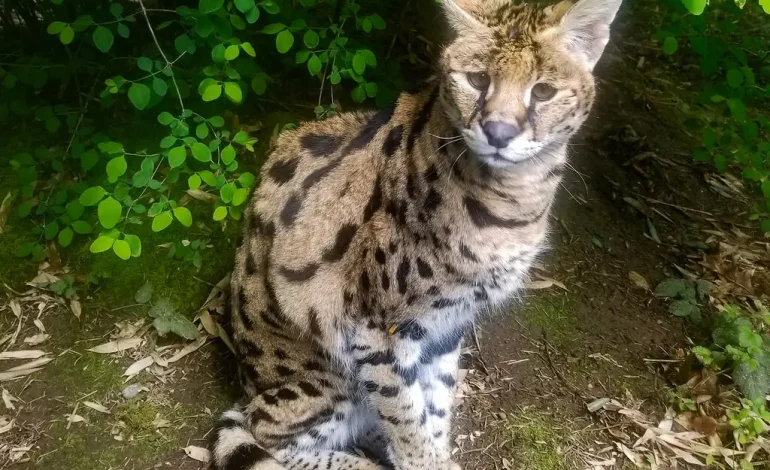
(392,371)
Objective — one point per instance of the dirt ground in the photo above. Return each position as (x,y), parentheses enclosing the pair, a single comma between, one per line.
(583,331)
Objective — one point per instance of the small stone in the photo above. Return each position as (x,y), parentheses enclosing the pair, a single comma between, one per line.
(131,391)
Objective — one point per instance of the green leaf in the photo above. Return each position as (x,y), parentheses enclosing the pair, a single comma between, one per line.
(177,156)
(208,178)
(24,250)
(194,182)
(92,196)
(117,10)
(247,180)
(753,382)
(183,44)
(166,118)
(766,189)
(220,213)
(168,320)
(371,89)
(358,94)
(737,109)
(144,63)
(232,52)
(65,237)
(116,168)
(103,38)
(311,39)
(359,63)
(168,141)
(56,27)
(259,84)
(240,196)
(74,210)
(201,152)
(283,41)
(274,28)
(248,49)
(83,228)
(109,212)
(366,25)
(51,230)
(161,221)
(123,30)
(377,21)
(684,309)
(101,244)
(270,7)
(122,249)
(184,216)
(233,91)
(228,154)
(202,130)
(369,57)
(139,94)
(735,78)
(217,121)
(670,288)
(670,45)
(160,86)
(765,225)
(695,7)
(765,5)
(144,294)
(209,6)
(226,192)
(67,35)
(136,245)
(314,65)
(244,5)
(212,91)
(721,163)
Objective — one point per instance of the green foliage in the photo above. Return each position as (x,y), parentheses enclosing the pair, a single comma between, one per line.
(741,344)
(730,113)
(81,184)
(751,420)
(685,294)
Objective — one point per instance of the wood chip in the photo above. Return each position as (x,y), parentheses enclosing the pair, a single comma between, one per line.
(26,354)
(117,346)
(198,453)
(139,366)
(96,406)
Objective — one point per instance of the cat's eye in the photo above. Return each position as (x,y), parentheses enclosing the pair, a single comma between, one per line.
(543,91)
(479,80)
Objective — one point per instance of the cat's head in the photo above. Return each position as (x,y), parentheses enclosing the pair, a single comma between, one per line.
(517,78)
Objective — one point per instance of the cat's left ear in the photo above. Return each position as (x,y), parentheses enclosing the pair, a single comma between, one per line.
(584,28)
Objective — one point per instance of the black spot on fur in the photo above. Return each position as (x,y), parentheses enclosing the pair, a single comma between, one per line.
(319,174)
(482,217)
(291,210)
(424,269)
(467,253)
(418,125)
(448,380)
(432,200)
(379,255)
(378,359)
(269,321)
(313,366)
(375,201)
(411,191)
(433,290)
(286,394)
(402,274)
(393,141)
(409,374)
(280,354)
(341,243)
(299,275)
(270,229)
(370,386)
(283,171)
(315,326)
(385,281)
(367,133)
(309,389)
(389,392)
(431,174)
(246,456)
(442,346)
(284,371)
(444,303)
(365,285)
(412,330)
(320,145)
(251,264)
(392,247)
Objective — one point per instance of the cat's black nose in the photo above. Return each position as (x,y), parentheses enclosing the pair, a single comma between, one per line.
(499,133)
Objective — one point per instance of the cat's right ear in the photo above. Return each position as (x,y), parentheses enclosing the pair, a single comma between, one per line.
(460,19)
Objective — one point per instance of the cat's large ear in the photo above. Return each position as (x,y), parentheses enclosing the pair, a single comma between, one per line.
(585,27)
(458,13)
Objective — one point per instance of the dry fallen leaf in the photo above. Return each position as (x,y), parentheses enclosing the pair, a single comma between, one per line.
(638,280)
(139,366)
(76,309)
(26,354)
(32,364)
(117,346)
(16,374)
(208,323)
(8,400)
(539,284)
(5,425)
(198,453)
(73,418)
(188,349)
(96,406)
(39,338)
(5,207)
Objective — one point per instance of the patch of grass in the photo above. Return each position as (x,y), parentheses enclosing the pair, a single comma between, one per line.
(138,415)
(74,376)
(553,315)
(538,442)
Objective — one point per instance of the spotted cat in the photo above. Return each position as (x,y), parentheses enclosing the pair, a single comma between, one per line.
(375,238)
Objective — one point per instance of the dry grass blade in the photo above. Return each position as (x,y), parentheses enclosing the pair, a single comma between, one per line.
(96,407)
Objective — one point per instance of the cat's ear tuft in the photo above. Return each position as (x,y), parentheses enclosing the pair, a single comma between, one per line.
(585,27)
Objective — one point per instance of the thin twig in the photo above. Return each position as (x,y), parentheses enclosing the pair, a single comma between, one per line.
(82,113)
(656,201)
(478,348)
(163,54)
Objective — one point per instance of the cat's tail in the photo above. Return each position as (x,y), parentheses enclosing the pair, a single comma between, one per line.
(234,447)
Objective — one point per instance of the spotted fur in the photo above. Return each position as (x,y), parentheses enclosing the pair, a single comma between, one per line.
(375,238)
